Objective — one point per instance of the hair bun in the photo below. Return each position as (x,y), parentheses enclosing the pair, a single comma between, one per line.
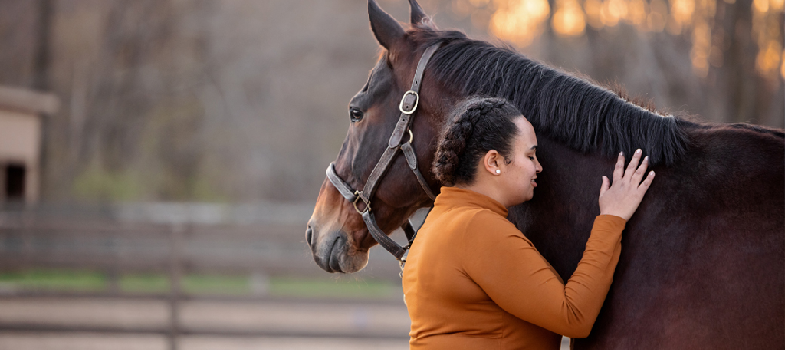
(475,126)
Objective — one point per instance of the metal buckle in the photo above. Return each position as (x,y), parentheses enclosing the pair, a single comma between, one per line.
(416,101)
(401,264)
(367,203)
(402,260)
(411,136)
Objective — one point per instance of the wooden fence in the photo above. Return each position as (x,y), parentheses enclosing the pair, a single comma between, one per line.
(116,245)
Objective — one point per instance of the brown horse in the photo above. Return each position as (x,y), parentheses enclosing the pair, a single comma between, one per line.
(703,259)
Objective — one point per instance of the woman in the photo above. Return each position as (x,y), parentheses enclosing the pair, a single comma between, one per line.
(472,280)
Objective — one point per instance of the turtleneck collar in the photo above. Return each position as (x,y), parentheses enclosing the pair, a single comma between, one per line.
(458,197)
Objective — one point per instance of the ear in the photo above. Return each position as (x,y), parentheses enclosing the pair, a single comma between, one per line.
(386,29)
(491,161)
(418,16)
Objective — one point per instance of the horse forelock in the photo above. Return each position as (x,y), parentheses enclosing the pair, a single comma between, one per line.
(576,112)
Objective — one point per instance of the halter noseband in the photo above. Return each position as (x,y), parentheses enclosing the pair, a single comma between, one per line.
(407,107)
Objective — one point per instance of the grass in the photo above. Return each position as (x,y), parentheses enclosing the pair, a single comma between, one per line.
(91,281)
(54,280)
(144,283)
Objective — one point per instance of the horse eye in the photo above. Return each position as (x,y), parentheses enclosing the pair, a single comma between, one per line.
(355,114)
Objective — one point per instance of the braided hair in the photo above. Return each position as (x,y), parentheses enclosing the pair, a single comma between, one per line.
(476,125)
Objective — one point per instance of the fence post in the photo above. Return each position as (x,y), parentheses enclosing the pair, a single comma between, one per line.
(175,272)
(113,271)
(27,239)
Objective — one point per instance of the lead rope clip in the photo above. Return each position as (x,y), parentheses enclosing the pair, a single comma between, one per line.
(402,260)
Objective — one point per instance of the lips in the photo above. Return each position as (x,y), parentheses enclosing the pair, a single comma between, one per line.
(334,256)
(534,183)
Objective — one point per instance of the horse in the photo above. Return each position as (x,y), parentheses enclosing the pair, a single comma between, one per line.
(703,259)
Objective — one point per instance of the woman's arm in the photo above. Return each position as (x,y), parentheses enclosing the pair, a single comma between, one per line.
(514,274)
(517,278)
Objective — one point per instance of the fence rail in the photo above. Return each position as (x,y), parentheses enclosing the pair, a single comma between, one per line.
(110,242)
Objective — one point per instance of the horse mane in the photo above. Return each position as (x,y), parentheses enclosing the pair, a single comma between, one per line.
(778,133)
(572,111)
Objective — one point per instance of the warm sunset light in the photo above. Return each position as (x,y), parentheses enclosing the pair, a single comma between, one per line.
(766,31)
(612,11)
(701,46)
(782,66)
(519,21)
(681,12)
(522,21)
(569,18)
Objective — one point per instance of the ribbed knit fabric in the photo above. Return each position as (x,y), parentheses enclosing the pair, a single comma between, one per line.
(474,281)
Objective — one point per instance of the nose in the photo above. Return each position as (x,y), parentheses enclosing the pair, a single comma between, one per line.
(309,235)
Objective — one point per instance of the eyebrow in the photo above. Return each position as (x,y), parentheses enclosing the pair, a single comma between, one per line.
(533,147)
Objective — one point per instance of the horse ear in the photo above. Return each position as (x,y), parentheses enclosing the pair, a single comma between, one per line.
(386,29)
(418,16)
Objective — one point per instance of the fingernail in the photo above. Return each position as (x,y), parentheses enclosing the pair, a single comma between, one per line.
(646,159)
(651,173)
(621,154)
(638,151)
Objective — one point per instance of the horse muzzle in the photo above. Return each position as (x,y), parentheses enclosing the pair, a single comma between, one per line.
(332,250)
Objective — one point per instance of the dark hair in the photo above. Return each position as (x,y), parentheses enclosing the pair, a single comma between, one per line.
(476,125)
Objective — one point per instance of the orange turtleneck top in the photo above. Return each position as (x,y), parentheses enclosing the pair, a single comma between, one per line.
(473,281)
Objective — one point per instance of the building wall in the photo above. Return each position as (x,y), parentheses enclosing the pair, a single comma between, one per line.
(20,135)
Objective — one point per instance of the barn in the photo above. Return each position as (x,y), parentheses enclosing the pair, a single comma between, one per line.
(22,113)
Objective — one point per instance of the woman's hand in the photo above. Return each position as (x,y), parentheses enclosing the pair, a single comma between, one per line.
(623,197)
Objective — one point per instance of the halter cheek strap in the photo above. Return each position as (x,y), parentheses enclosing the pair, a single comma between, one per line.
(407,106)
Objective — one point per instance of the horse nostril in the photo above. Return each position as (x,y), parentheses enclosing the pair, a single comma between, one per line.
(309,235)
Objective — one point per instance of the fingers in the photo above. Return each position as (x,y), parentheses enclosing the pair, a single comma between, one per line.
(633,164)
(638,175)
(646,182)
(605,185)
(619,169)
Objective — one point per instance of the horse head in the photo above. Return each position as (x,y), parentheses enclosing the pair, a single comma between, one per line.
(337,235)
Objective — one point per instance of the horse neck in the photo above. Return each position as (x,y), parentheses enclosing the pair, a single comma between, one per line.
(559,218)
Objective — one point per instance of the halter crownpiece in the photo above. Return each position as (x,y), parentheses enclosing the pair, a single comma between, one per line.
(407,106)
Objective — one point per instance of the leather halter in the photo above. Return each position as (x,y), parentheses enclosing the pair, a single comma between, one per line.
(407,107)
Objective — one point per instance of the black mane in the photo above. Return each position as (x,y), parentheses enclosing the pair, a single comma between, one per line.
(582,115)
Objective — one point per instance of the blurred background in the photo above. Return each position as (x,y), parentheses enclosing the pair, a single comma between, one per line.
(159,159)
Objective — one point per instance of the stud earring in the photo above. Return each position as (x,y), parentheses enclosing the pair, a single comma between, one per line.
(498,171)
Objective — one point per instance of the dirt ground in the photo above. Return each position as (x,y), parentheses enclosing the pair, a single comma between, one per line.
(389,322)
(88,342)
(100,342)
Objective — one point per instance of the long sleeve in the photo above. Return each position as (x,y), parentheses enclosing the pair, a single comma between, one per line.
(506,265)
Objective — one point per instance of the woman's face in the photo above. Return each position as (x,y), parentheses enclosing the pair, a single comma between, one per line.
(520,175)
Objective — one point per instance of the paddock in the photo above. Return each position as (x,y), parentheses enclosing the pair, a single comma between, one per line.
(73,322)
(174,241)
